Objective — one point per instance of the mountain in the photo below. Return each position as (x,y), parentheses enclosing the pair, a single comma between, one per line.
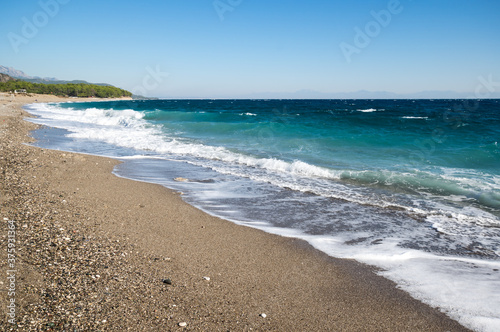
(55,81)
(19,74)
(5,78)
(12,72)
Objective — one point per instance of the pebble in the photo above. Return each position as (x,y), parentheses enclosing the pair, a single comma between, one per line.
(183,324)
(206,278)
(263,315)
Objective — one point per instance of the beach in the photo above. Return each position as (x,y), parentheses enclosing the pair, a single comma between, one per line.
(97,252)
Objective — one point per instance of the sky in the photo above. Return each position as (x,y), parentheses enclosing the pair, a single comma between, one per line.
(268,48)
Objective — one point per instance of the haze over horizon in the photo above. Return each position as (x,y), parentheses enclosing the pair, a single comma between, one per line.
(238,48)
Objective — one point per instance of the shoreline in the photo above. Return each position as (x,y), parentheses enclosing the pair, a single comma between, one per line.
(120,254)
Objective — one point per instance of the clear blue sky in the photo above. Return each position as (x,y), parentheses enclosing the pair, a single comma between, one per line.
(230,48)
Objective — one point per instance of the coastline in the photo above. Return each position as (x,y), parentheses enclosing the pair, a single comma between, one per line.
(94,250)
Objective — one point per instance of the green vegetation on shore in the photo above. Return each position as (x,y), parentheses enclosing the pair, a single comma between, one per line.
(67,90)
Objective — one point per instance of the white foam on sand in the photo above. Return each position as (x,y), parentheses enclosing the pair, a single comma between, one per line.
(467,290)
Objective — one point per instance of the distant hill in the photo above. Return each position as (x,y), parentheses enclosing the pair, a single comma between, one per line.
(5,78)
(139,97)
(45,81)
(19,74)
(12,72)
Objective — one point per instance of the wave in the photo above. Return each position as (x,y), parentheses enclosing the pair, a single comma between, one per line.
(128,128)
(416,117)
(369,110)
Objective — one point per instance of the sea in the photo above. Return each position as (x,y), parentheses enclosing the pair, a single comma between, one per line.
(411,187)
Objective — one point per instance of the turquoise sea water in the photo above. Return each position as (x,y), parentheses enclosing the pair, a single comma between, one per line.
(412,186)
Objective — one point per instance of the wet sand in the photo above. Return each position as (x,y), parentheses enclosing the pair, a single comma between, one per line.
(98,252)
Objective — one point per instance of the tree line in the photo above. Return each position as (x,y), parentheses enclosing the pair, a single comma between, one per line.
(66,90)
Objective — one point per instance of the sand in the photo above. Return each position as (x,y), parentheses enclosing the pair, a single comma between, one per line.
(98,252)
